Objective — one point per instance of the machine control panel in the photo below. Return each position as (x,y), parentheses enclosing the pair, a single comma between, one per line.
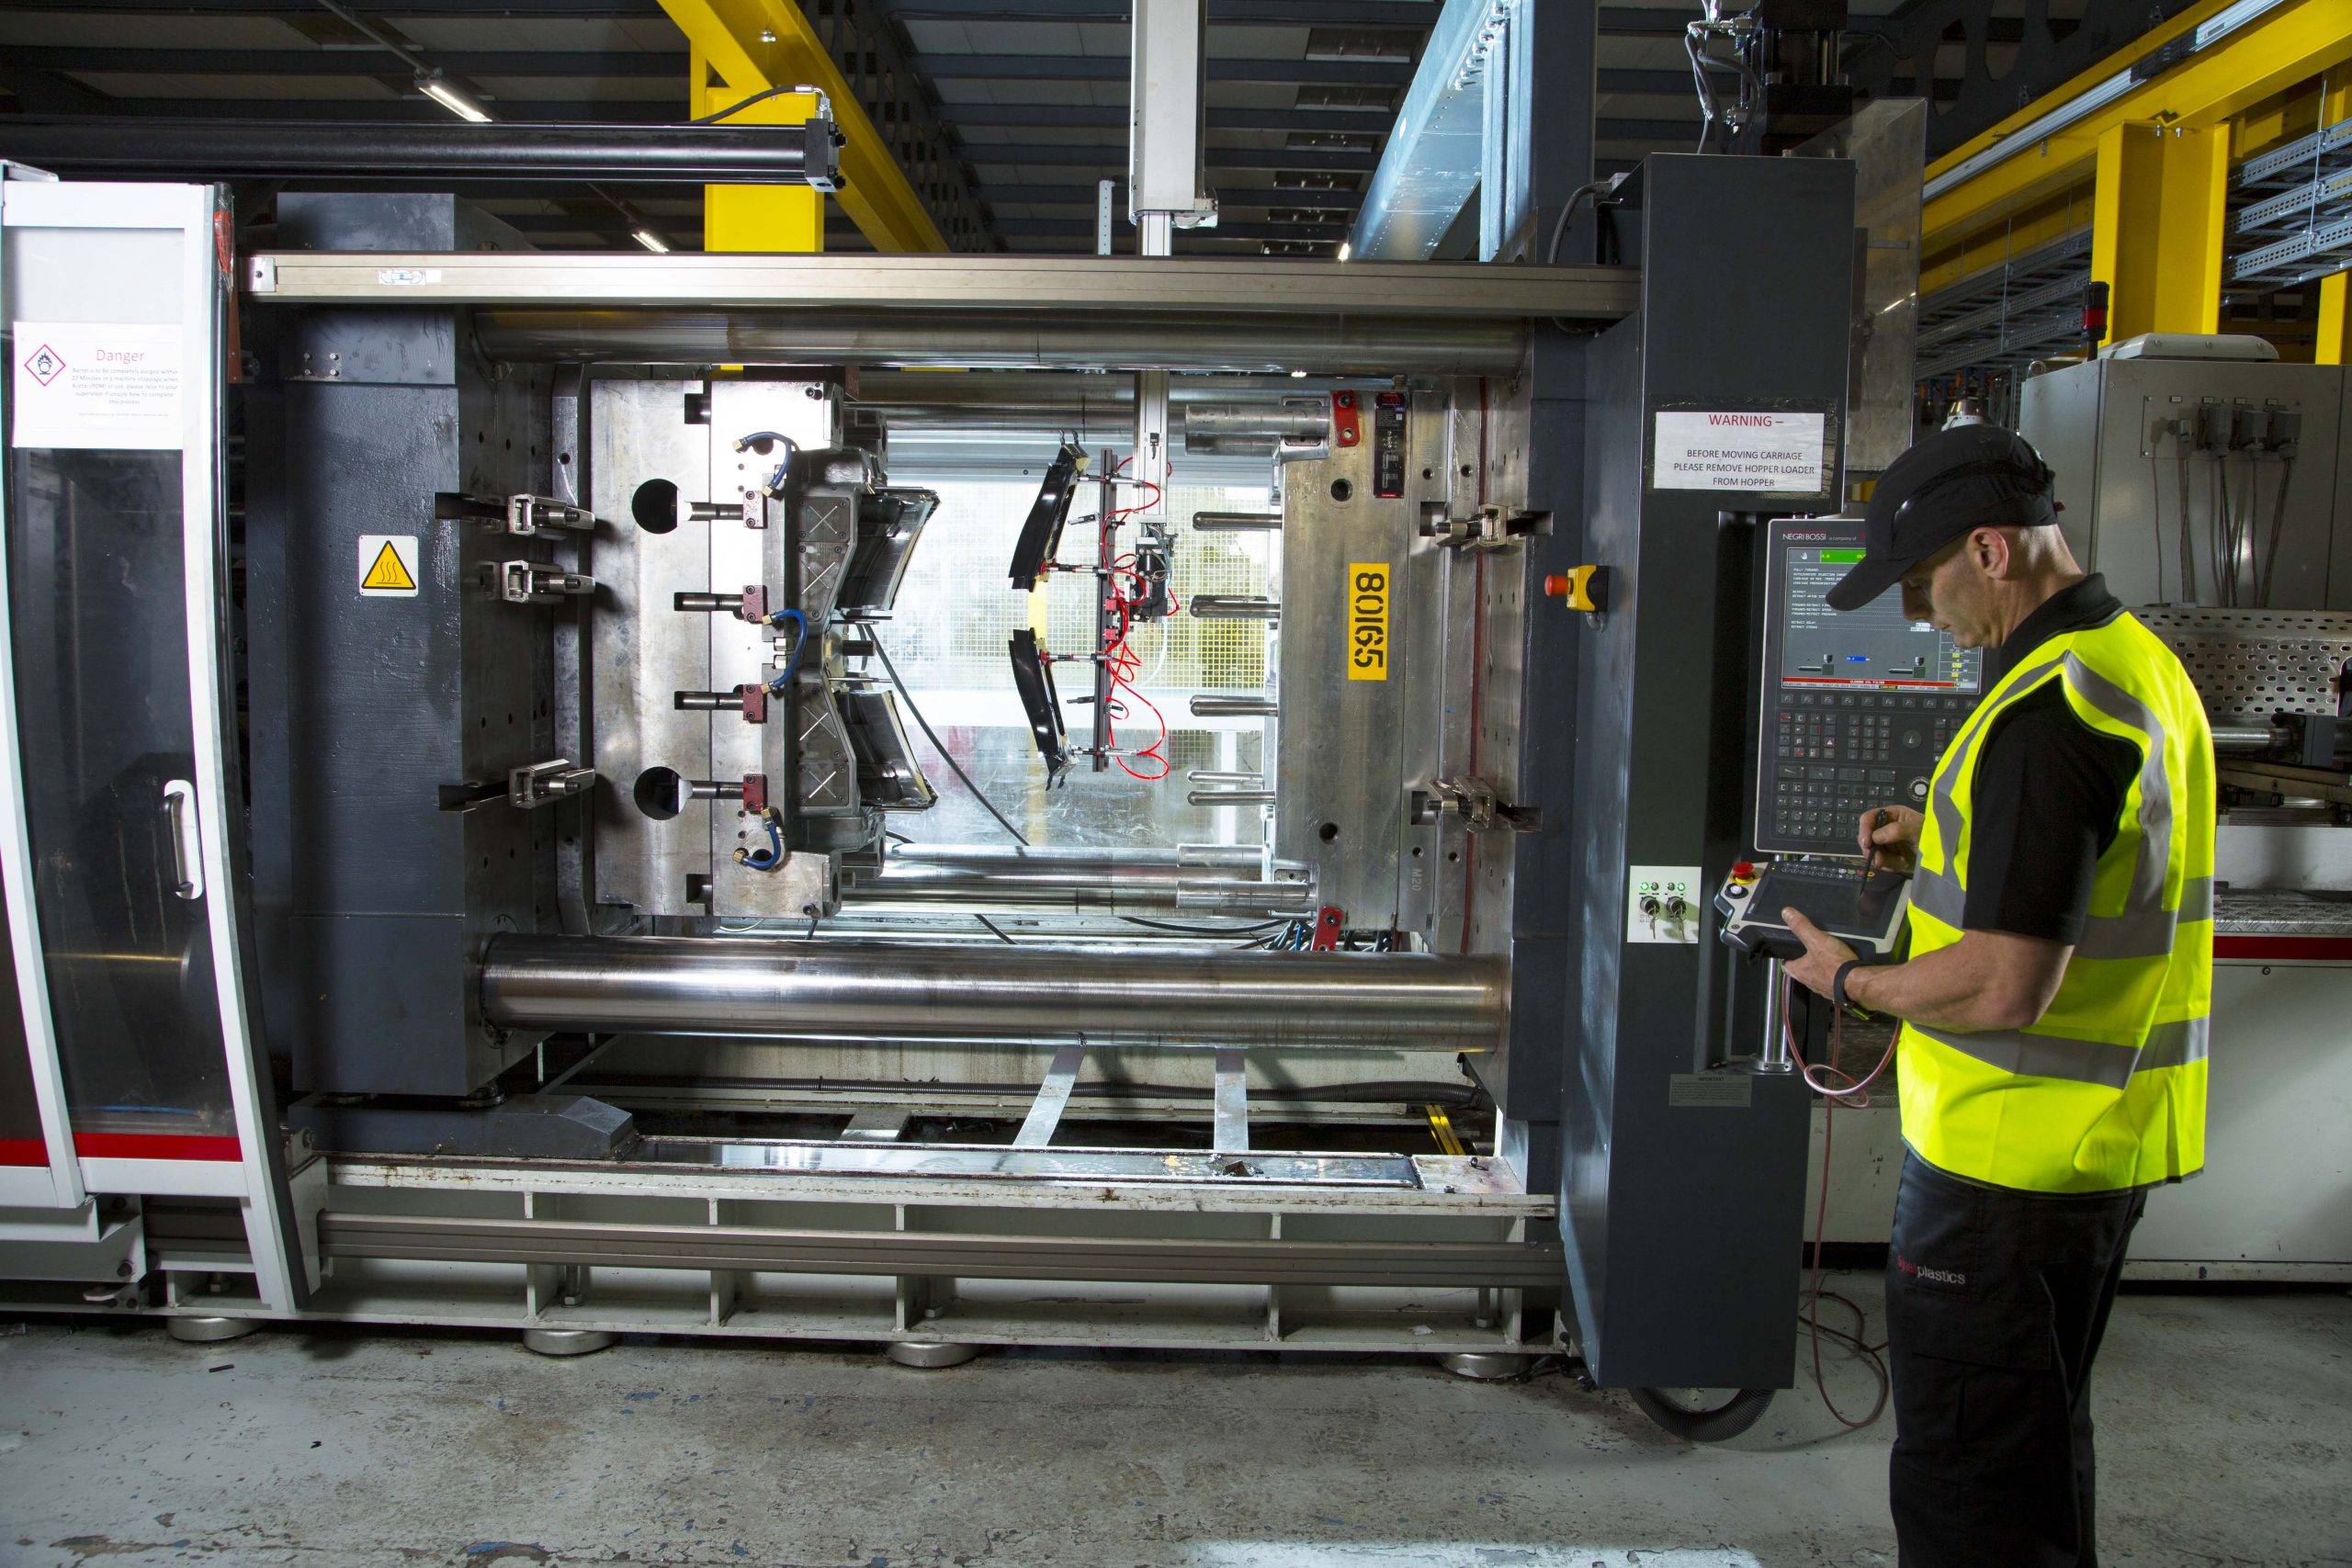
(1865,910)
(1857,705)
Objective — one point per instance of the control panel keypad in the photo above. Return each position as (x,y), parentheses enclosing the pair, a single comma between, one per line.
(1837,754)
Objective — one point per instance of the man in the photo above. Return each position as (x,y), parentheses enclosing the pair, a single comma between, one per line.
(2051,1058)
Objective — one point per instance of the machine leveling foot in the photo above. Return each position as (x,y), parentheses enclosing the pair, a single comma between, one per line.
(1485,1366)
(209,1330)
(929,1353)
(568,1341)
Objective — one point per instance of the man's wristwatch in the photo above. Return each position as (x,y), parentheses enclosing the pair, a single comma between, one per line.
(1837,992)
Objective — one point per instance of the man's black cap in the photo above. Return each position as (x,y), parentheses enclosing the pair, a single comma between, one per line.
(1974,475)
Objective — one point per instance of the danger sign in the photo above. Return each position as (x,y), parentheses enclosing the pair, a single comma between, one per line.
(388,566)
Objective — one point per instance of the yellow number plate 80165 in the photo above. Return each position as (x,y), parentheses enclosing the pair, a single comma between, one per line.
(1368,621)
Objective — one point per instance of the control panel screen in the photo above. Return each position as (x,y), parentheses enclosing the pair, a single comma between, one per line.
(1857,705)
(1876,647)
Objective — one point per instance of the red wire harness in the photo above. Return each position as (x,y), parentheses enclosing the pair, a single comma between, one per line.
(1124,662)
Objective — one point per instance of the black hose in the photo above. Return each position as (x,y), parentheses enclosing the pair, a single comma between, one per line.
(2277,522)
(1708,1425)
(883,654)
(1243,930)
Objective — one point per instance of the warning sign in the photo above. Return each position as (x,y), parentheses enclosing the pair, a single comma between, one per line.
(1776,451)
(388,566)
(97,385)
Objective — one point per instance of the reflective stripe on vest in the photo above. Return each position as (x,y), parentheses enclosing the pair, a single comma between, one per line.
(2106,1090)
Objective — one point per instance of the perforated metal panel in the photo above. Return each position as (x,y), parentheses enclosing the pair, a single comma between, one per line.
(2253,663)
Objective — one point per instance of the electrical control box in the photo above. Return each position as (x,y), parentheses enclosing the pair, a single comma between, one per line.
(2199,480)
(1662,903)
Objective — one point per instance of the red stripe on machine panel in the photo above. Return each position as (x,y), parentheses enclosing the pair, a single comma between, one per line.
(23,1151)
(155,1146)
(2285,949)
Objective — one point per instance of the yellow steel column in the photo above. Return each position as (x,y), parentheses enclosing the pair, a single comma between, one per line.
(760,218)
(752,45)
(2334,344)
(2158,210)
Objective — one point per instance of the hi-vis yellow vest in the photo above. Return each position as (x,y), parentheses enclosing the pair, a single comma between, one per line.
(2108,1090)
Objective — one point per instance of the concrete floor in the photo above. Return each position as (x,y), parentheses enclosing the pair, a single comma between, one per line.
(2226,1436)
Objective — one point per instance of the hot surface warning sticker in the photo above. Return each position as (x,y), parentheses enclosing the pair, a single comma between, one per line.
(94,385)
(388,566)
(1778,453)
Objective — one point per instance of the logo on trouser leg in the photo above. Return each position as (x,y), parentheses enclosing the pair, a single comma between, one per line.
(1933,1276)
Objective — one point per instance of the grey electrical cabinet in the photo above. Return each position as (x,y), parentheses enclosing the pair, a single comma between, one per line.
(2202,480)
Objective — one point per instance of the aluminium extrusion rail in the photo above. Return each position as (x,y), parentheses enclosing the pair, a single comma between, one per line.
(1088,284)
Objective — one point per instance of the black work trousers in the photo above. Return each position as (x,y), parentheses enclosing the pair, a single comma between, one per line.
(1996,1301)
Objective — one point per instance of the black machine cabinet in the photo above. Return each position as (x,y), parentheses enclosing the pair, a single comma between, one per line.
(1683,1174)
(384,723)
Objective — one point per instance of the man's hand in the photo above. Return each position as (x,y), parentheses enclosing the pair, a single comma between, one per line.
(1824,953)
(1889,838)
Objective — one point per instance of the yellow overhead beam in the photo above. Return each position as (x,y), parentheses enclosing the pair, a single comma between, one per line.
(753,45)
(2299,40)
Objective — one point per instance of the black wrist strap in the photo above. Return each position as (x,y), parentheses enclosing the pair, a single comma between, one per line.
(1837,989)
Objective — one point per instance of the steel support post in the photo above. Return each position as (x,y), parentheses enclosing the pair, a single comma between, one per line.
(2335,325)
(749,46)
(2159,210)
(757,217)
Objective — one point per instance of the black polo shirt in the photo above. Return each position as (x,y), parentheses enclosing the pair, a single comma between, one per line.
(2048,793)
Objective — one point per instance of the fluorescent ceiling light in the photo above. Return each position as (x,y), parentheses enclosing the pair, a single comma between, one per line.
(1347,249)
(651,241)
(455,99)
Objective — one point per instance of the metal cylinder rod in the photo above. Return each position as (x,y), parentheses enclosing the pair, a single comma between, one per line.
(1298,420)
(1219,704)
(2247,738)
(710,789)
(431,151)
(1229,797)
(1117,858)
(707,702)
(988,340)
(706,604)
(1234,607)
(1211,776)
(1123,890)
(715,986)
(1225,898)
(1237,521)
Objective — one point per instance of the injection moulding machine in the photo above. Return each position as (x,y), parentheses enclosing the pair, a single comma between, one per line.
(464,839)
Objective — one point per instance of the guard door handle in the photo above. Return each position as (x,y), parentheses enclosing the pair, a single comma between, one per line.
(187,842)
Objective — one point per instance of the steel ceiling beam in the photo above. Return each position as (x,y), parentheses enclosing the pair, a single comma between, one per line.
(1113,160)
(576,64)
(1113,117)
(1252,196)
(944,67)
(1227,13)
(572,64)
